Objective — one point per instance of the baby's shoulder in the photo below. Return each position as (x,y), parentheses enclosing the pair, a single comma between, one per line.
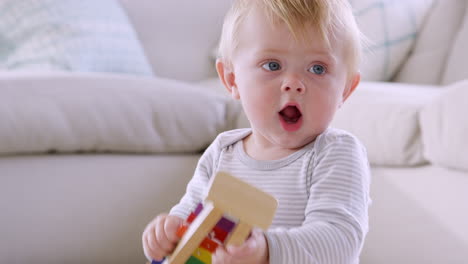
(228,138)
(337,139)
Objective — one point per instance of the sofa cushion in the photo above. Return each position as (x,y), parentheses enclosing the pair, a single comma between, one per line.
(391,28)
(457,64)
(108,199)
(445,127)
(179,36)
(418,215)
(384,116)
(444,20)
(69,35)
(108,113)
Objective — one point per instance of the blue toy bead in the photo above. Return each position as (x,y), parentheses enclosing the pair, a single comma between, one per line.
(157,262)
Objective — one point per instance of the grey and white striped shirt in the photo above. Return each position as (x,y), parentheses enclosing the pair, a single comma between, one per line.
(322,190)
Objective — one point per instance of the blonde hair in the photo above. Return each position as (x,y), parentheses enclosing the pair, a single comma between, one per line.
(333,19)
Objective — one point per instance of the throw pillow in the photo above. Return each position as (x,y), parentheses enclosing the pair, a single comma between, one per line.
(384,116)
(69,35)
(434,43)
(444,127)
(391,28)
(457,63)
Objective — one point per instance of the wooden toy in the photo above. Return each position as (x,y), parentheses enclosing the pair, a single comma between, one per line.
(206,227)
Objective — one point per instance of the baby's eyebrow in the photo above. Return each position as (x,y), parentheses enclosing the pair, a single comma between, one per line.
(270,51)
(323,55)
(328,57)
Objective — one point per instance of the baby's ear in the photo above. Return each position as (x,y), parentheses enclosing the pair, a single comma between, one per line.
(351,86)
(228,78)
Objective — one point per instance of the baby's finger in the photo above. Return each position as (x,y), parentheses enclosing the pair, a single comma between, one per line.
(246,249)
(144,242)
(220,256)
(163,241)
(150,237)
(154,244)
(170,228)
(151,251)
(250,246)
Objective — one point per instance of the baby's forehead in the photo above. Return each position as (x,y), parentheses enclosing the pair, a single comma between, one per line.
(332,27)
(304,29)
(268,38)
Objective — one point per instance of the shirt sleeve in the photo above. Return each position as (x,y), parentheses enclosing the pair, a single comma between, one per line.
(197,187)
(336,215)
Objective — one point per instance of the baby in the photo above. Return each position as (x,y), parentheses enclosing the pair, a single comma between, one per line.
(292,64)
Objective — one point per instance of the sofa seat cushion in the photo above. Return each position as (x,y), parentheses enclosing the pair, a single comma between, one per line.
(69,35)
(444,127)
(108,113)
(85,208)
(418,215)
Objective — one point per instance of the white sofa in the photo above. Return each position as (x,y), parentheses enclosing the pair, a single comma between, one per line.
(82,190)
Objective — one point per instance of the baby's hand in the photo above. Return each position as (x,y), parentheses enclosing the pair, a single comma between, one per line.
(159,237)
(253,251)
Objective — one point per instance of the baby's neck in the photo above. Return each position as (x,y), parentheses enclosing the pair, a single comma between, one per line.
(260,152)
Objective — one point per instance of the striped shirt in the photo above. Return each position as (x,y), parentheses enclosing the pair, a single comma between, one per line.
(322,192)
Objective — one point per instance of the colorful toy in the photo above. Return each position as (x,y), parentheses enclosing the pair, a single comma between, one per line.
(210,224)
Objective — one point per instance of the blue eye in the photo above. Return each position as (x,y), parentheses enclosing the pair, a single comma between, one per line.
(318,69)
(272,66)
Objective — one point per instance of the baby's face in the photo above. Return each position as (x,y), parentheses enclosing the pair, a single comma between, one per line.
(289,89)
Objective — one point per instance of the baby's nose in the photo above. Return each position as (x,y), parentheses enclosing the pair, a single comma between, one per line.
(293,85)
(298,89)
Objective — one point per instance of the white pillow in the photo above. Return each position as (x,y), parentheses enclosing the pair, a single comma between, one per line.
(69,35)
(433,44)
(384,116)
(444,127)
(391,27)
(112,113)
(457,64)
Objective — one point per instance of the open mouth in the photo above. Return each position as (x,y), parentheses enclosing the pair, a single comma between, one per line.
(290,114)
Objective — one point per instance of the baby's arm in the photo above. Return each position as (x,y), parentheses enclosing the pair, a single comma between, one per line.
(159,238)
(197,187)
(336,216)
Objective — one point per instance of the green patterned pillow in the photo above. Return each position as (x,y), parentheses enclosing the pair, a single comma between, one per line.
(391,27)
(69,35)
